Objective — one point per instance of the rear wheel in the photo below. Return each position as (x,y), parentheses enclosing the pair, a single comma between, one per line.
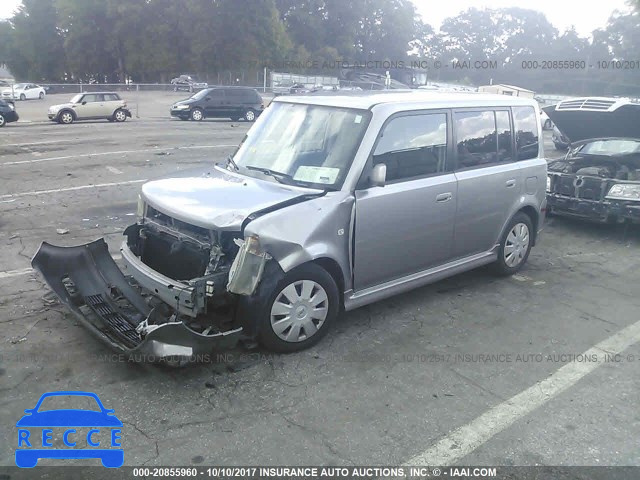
(3,122)
(515,245)
(119,115)
(65,117)
(197,114)
(23,96)
(249,115)
(300,310)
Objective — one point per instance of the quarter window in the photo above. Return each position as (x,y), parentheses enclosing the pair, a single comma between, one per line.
(413,146)
(503,124)
(526,128)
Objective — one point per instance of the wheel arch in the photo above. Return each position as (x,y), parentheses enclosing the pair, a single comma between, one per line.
(534,215)
(73,114)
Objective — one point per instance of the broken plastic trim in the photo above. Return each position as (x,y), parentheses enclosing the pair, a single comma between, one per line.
(112,309)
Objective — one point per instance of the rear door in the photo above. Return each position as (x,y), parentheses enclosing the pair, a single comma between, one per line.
(214,103)
(489,178)
(407,225)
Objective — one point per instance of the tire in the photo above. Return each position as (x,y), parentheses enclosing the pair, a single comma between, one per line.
(41,96)
(119,115)
(515,245)
(235,119)
(197,114)
(249,116)
(547,124)
(66,117)
(23,96)
(298,290)
(3,122)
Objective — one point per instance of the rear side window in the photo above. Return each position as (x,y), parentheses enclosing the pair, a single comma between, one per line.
(526,128)
(413,146)
(111,97)
(505,148)
(476,138)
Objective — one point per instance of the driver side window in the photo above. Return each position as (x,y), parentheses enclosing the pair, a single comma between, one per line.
(413,146)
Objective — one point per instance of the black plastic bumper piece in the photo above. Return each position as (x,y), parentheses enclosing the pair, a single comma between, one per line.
(87,280)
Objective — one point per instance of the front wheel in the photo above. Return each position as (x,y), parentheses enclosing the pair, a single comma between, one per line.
(300,310)
(3,122)
(197,114)
(41,96)
(249,115)
(119,115)
(515,245)
(23,96)
(65,118)
(547,125)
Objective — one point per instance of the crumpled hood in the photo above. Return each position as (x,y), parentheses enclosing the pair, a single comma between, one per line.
(580,125)
(217,199)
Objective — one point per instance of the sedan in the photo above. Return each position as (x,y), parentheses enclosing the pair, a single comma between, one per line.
(24,91)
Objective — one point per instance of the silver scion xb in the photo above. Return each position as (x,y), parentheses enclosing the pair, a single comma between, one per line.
(331,202)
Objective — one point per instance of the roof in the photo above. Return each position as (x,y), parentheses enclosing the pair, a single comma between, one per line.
(511,87)
(366,100)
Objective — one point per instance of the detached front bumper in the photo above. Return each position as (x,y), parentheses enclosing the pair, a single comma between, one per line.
(596,210)
(87,280)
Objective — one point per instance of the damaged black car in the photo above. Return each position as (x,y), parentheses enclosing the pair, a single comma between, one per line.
(599,177)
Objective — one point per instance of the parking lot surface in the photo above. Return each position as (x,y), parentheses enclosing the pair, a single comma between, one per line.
(472,370)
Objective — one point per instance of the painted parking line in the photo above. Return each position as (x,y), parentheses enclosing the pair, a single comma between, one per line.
(464,440)
(119,152)
(10,196)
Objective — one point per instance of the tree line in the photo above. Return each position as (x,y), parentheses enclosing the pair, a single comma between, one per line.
(155,40)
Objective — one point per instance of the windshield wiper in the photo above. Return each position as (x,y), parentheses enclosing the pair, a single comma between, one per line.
(279,176)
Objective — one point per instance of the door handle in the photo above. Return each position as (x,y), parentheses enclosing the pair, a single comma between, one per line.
(444,197)
(511,183)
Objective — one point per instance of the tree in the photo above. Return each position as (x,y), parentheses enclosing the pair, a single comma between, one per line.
(35,47)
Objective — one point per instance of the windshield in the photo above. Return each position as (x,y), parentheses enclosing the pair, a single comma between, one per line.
(311,145)
(76,98)
(20,85)
(200,95)
(610,147)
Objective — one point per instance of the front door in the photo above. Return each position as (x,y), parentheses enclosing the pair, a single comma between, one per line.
(407,225)
(215,103)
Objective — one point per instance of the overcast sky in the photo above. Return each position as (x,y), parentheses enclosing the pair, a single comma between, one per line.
(586,16)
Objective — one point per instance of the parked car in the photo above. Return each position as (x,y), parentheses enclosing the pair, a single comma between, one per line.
(187,83)
(23,91)
(545,121)
(8,112)
(559,140)
(281,88)
(298,88)
(438,185)
(220,102)
(91,106)
(599,178)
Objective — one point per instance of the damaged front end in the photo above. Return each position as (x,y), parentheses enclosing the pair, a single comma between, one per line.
(173,299)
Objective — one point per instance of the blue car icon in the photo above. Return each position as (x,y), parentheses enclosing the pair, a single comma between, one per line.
(31,448)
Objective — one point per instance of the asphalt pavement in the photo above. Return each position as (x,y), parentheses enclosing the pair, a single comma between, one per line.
(472,370)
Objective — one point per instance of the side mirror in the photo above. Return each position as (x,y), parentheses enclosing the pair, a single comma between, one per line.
(208,99)
(84,103)
(378,175)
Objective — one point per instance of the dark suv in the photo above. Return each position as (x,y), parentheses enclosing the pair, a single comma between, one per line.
(221,102)
(7,113)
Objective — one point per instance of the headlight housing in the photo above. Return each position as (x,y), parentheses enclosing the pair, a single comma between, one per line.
(622,191)
(181,107)
(247,268)
(140,209)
